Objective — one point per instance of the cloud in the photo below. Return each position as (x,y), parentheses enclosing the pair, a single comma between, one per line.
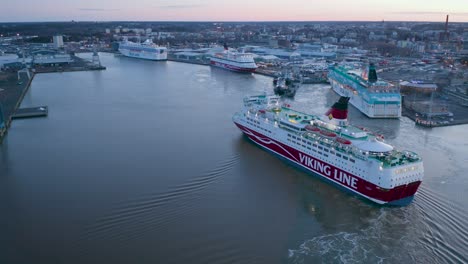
(98,9)
(179,6)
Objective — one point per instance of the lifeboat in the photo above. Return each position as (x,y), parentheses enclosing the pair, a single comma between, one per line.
(312,128)
(327,133)
(343,141)
(362,128)
(261,111)
(276,109)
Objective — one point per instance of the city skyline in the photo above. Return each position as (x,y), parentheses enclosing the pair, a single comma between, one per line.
(242,10)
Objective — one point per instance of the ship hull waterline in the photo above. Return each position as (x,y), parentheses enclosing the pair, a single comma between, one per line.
(401,195)
(148,56)
(356,104)
(143,58)
(231,67)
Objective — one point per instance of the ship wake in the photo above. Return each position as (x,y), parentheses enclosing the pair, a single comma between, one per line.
(392,235)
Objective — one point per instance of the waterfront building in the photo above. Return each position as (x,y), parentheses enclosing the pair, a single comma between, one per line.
(425,87)
(58,41)
(46,57)
(7,58)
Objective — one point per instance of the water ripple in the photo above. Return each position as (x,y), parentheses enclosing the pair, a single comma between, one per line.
(445,224)
(148,213)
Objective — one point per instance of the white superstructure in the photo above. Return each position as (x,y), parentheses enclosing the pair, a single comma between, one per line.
(145,50)
(235,61)
(374,98)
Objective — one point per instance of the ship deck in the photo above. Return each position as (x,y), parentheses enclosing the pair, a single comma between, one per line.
(293,121)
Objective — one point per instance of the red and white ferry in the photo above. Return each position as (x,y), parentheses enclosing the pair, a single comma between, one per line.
(351,157)
(234,61)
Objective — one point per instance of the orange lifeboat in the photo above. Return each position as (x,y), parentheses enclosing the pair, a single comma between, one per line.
(343,141)
(312,128)
(327,133)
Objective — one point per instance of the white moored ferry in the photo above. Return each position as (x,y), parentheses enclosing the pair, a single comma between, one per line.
(374,98)
(146,50)
(351,157)
(234,61)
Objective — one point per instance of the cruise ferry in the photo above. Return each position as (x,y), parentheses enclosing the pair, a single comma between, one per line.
(145,50)
(351,157)
(375,98)
(234,61)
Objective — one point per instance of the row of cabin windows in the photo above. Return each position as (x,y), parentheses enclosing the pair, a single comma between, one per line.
(319,147)
(319,152)
(309,148)
(291,126)
(304,141)
(257,126)
(253,120)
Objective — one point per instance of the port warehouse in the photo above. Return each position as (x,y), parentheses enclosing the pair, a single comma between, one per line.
(39,57)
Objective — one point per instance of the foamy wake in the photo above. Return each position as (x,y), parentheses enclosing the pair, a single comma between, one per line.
(386,237)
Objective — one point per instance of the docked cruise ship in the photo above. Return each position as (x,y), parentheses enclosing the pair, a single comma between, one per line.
(234,61)
(375,98)
(145,50)
(353,158)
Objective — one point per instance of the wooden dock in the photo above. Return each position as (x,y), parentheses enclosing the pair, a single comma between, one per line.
(29,112)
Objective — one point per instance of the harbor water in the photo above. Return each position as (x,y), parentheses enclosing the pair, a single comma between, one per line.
(141,163)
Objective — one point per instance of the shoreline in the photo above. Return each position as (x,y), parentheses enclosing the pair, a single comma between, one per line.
(411,115)
(8,116)
(19,99)
(83,65)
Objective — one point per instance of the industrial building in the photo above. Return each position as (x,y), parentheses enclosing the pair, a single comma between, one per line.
(7,59)
(418,87)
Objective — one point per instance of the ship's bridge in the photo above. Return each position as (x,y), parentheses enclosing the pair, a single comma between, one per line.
(293,125)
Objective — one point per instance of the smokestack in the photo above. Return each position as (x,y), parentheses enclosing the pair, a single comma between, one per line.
(372,75)
(339,110)
(446,29)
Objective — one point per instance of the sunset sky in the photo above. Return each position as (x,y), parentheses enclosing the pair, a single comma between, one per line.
(233,10)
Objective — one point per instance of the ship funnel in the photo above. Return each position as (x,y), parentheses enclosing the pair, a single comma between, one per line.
(372,76)
(339,110)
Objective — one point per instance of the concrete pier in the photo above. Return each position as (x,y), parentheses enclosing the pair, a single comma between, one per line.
(30,112)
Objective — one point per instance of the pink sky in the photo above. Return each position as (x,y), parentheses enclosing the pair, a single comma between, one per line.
(234,10)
